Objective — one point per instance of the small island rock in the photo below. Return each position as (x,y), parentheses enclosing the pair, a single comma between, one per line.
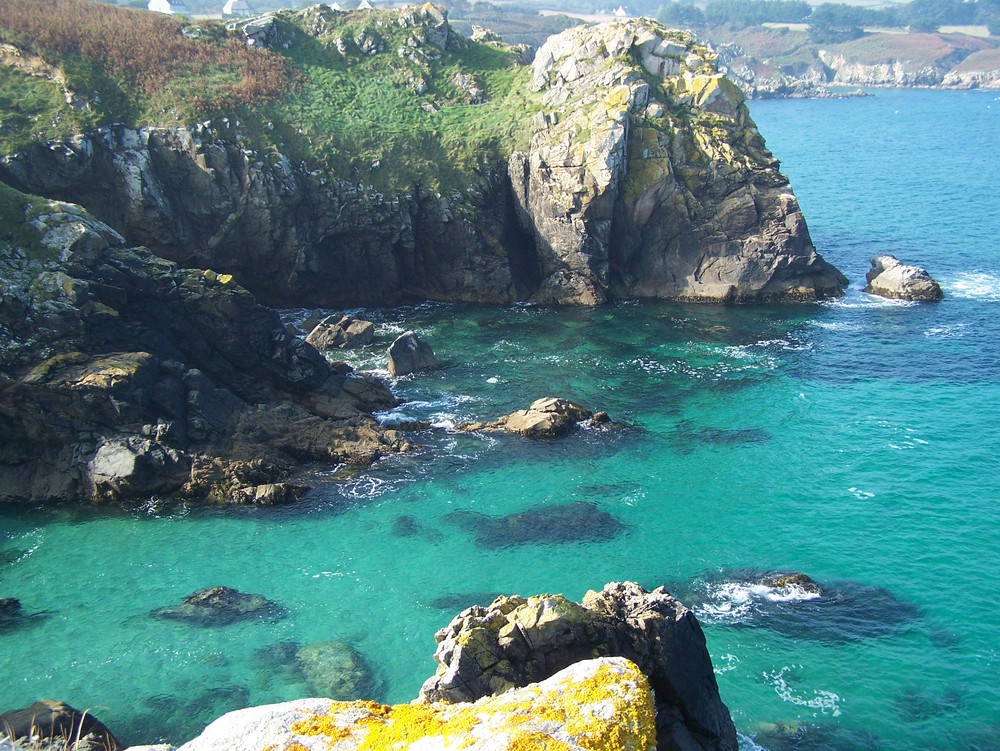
(548,417)
(890,278)
(602,703)
(409,354)
(220,606)
(341,332)
(47,724)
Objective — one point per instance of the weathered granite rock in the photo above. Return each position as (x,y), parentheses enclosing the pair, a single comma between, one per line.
(627,194)
(596,704)
(548,417)
(123,376)
(220,606)
(630,188)
(890,278)
(410,354)
(336,670)
(341,332)
(57,727)
(517,641)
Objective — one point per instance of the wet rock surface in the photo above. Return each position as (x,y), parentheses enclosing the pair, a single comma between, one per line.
(793,604)
(891,278)
(341,332)
(515,641)
(221,606)
(410,354)
(548,417)
(579,521)
(123,376)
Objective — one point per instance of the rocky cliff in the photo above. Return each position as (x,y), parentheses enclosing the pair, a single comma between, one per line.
(125,377)
(644,177)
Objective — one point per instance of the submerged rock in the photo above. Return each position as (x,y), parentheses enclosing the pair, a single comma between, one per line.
(603,703)
(220,606)
(409,526)
(341,332)
(46,725)
(890,278)
(687,432)
(794,605)
(410,354)
(336,670)
(517,641)
(463,600)
(548,417)
(579,521)
(827,736)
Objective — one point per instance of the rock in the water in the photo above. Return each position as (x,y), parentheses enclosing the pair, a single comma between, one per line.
(578,521)
(410,354)
(220,606)
(890,278)
(792,604)
(518,641)
(464,600)
(52,723)
(548,417)
(336,670)
(341,332)
(269,494)
(9,607)
(596,704)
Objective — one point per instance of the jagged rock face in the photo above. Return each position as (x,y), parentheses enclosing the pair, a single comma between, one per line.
(596,704)
(517,641)
(647,178)
(123,376)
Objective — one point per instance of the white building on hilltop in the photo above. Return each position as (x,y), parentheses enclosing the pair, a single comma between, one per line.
(170,7)
(366,5)
(620,12)
(236,9)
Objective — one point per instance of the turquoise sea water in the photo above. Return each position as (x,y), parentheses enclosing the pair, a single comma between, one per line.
(855,441)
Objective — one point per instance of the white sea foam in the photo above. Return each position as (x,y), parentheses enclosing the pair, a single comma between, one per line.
(735,601)
(955,331)
(747,743)
(824,701)
(860,494)
(726,663)
(976,285)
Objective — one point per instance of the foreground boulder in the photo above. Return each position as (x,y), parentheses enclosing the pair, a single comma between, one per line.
(548,417)
(220,606)
(517,641)
(603,703)
(890,278)
(410,354)
(123,376)
(53,726)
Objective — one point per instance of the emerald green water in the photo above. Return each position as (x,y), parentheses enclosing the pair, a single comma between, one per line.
(855,441)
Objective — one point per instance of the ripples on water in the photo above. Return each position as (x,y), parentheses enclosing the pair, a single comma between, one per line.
(854,441)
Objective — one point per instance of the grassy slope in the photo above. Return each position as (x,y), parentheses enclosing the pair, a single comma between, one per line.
(340,111)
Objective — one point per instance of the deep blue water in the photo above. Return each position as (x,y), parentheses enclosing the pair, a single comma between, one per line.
(855,441)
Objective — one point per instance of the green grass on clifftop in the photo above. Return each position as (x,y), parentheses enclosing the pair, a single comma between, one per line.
(392,114)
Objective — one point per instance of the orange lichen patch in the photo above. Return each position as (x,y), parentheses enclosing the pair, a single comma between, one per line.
(602,706)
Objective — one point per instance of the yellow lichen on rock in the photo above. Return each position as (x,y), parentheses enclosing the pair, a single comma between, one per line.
(596,705)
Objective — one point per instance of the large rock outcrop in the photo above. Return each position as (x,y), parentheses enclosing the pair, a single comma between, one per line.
(596,704)
(645,177)
(516,641)
(123,376)
(50,725)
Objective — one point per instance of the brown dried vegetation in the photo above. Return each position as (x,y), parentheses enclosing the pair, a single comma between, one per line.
(146,50)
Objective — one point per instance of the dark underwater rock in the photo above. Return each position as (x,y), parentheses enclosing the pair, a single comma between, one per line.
(220,606)
(828,736)
(579,521)
(687,431)
(793,604)
(409,526)
(336,670)
(516,641)
(463,600)
(52,722)
(916,705)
